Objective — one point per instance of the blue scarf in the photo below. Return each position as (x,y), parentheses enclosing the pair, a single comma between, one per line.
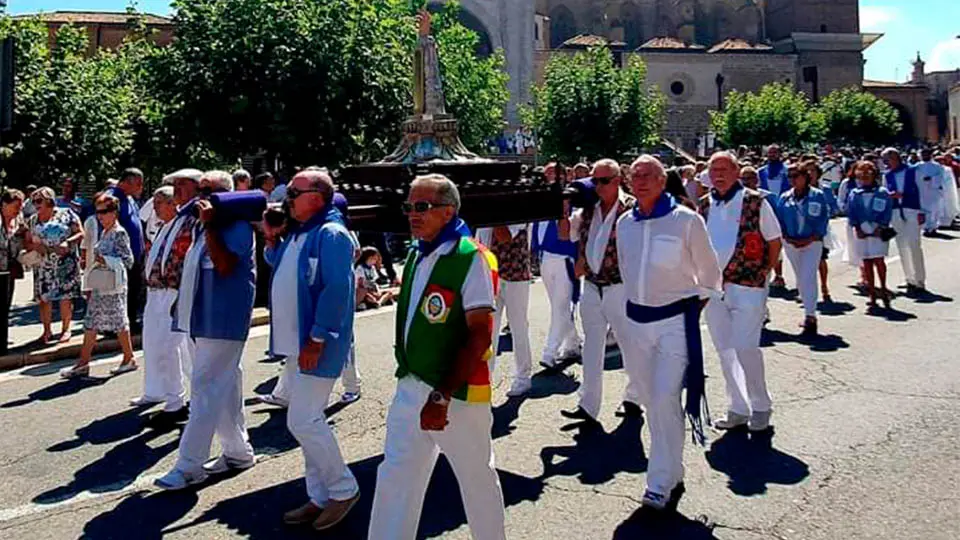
(665,204)
(329,213)
(729,195)
(455,229)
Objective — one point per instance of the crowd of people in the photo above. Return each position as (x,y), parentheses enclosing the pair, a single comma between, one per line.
(657,248)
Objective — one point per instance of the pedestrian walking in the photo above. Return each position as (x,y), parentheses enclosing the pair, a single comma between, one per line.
(908,218)
(870,214)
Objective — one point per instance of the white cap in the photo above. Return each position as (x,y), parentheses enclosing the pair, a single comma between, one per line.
(192,174)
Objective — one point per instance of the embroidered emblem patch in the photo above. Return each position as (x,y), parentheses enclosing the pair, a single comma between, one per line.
(814,209)
(436,304)
(753,246)
(879,205)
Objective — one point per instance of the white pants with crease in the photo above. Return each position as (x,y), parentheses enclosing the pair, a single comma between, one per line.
(806,263)
(600,311)
(909,245)
(216,405)
(327,476)
(736,323)
(661,351)
(409,458)
(562,336)
(350,377)
(514,302)
(167,355)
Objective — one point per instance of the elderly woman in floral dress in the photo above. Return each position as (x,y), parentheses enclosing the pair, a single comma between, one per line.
(107,309)
(55,233)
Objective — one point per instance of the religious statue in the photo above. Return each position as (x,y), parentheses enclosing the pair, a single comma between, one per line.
(427,83)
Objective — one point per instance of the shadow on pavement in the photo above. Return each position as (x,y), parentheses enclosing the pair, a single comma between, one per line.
(750,462)
(835,309)
(272,437)
(928,297)
(546,383)
(597,456)
(784,293)
(58,390)
(646,524)
(818,343)
(892,314)
(257,514)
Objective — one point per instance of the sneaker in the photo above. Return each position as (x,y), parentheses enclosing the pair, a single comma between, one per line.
(75,372)
(519,387)
(334,512)
(223,464)
(271,399)
(759,421)
(144,401)
(307,513)
(732,421)
(125,367)
(176,480)
(349,397)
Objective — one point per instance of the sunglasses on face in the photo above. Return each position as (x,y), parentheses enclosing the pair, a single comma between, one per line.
(101,211)
(419,207)
(604,180)
(293,193)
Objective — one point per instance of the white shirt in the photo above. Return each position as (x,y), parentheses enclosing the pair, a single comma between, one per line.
(667,259)
(476,292)
(149,216)
(930,190)
(599,234)
(832,171)
(285,327)
(723,224)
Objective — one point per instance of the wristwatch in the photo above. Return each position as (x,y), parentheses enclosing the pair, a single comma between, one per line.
(438,398)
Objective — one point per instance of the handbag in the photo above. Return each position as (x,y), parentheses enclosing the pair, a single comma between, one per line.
(30,259)
(887,233)
(101,279)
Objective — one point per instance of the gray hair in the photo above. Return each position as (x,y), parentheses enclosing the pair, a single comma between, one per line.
(689,169)
(729,156)
(447,192)
(164,193)
(650,160)
(241,174)
(221,179)
(606,162)
(890,151)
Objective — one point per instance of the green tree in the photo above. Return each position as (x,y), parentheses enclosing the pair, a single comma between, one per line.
(314,82)
(852,116)
(776,114)
(587,107)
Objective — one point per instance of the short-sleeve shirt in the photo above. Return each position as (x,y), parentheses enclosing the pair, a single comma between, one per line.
(724,225)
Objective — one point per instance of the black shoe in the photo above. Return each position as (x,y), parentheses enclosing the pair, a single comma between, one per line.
(579,414)
(675,497)
(629,410)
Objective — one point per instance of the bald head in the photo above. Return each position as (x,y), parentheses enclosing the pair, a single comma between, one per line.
(309,192)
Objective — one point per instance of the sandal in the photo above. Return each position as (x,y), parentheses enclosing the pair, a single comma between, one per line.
(125,367)
(74,372)
(64,337)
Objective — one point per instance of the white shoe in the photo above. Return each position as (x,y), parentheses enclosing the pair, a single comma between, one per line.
(349,397)
(759,421)
(519,387)
(223,464)
(144,401)
(176,480)
(271,399)
(733,420)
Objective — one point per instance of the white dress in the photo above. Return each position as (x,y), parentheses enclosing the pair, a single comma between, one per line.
(871,247)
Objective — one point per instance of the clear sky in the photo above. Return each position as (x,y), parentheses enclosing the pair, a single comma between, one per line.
(929,27)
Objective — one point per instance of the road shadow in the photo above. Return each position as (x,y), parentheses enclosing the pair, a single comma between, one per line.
(940,236)
(784,293)
(891,314)
(504,416)
(58,390)
(257,514)
(835,309)
(644,524)
(546,383)
(272,437)
(818,343)
(751,462)
(596,457)
(267,386)
(928,297)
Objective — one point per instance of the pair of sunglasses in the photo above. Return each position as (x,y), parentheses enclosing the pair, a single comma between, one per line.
(293,193)
(105,211)
(603,180)
(419,207)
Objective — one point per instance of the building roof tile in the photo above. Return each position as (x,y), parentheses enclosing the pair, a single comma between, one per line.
(96,17)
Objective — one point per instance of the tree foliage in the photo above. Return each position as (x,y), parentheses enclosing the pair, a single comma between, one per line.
(589,108)
(776,114)
(852,116)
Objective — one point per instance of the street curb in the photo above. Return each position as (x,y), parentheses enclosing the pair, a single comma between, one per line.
(71,349)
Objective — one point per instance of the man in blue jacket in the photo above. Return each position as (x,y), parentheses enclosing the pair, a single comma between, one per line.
(908,218)
(312,293)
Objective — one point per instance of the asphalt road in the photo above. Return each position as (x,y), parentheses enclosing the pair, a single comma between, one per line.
(865,443)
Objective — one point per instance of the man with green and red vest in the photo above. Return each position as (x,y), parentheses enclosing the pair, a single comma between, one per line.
(444,334)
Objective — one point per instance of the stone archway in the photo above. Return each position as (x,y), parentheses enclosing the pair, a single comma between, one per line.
(471,20)
(563,26)
(907,134)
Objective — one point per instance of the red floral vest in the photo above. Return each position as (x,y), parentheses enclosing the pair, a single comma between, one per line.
(748,265)
(513,257)
(609,273)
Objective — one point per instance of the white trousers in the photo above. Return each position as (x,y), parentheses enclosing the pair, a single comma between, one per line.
(409,458)
(600,312)
(167,355)
(736,323)
(327,476)
(350,376)
(661,351)
(806,262)
(514,301)
(562,336)
(934,214)
(216,405)
(909,244)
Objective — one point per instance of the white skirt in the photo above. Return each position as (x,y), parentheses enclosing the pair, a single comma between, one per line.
(871,247)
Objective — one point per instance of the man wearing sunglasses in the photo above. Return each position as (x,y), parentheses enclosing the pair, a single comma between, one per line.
(312,290)
(213,309)
(444,330)
(601,307)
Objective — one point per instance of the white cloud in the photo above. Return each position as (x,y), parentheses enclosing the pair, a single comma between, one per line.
(945,56)
(874,18)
